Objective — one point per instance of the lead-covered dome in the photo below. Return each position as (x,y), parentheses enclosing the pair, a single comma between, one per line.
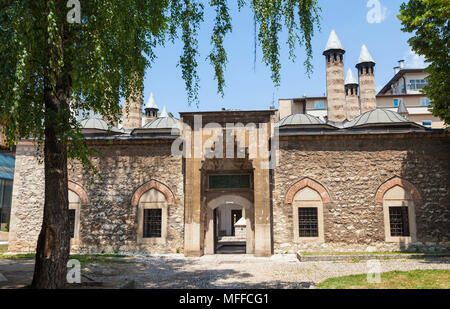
(163,123)
(97,125)
(299,120)
(379,117)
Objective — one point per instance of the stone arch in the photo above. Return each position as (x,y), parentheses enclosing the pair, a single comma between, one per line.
(79,191)
(232,199)
(307,182)
(226,199)
(152,184)
(397,181)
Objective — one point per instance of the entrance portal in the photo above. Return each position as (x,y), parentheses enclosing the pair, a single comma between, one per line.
(230,226)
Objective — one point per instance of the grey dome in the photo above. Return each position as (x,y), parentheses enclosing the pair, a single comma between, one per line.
(299,120)
(163,123)
(377,117)
(97,124)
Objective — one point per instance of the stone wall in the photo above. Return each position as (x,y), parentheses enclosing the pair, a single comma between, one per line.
(352,169)
(108,222)
(27,200)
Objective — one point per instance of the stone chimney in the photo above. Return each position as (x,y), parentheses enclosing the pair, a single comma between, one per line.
(334,55)
(132,118)
(351,96)
(366,75)
(151,109)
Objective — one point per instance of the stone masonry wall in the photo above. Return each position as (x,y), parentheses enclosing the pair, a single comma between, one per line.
(108,223)
(27,200)
(352,169)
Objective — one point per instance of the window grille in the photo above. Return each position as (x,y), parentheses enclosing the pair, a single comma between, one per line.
(72,222)
(308,222)
(152,223)
(399,222)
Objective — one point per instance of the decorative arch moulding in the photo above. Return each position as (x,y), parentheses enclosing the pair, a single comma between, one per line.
(307,182)
(397,181)
(153,184)
(79,191)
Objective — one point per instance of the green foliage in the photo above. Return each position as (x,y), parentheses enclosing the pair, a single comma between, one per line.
(429,21)
(95,63)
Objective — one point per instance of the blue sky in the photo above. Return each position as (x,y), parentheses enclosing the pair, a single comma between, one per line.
(357,22)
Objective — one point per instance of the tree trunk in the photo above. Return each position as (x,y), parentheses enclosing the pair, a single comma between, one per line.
(53,247)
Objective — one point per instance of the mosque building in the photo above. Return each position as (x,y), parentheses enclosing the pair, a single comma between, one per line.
(280,181)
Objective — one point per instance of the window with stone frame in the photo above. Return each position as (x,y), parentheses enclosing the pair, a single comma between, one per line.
(152,218)
(74,216)
(152,223)
(308,223)
(399,215)
(308,216)
(399,222)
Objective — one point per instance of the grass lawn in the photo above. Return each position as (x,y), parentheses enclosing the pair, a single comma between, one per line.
(83,258)
(371,253)
(415,279)
(3,249)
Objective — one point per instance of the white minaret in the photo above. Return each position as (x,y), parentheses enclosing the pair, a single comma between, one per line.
(334,55)
(367,94)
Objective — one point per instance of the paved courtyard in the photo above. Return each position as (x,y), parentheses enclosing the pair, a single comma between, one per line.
(219,271)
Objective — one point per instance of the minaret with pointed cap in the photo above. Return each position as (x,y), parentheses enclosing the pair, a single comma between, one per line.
(334,54)
(151,109)
(351,96)
(367,94)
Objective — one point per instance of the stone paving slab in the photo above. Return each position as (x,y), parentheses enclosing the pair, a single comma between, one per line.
(174,271)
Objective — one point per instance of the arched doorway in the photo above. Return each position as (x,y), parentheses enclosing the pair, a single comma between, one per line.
(216,224)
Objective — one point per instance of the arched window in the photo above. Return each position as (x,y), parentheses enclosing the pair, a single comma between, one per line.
(77,199)
(399,215)
(74,216)
(152,217)
(308,216)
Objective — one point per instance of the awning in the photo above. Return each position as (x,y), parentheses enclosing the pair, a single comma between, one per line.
(7,164)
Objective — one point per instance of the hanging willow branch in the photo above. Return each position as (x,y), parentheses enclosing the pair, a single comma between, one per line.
(107,54)
(299,18)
